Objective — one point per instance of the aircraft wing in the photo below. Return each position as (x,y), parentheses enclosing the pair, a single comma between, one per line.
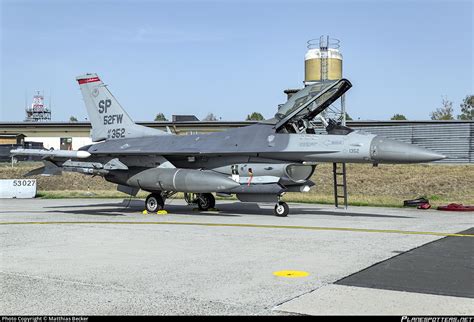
(49,157)
(56,161)
(311,101)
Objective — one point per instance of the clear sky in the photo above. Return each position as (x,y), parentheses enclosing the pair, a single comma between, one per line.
(233,57)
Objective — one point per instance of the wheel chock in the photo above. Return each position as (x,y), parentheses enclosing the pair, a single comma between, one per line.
(161,212)
(145,212)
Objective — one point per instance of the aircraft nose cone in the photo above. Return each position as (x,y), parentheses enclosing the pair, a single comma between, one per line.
(386,150)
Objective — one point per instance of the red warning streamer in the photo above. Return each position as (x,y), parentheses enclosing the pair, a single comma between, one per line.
(88,80)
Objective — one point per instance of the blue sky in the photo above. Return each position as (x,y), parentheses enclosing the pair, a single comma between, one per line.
(233,57)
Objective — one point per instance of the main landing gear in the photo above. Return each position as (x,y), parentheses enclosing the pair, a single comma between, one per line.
(204,201)
(154,202)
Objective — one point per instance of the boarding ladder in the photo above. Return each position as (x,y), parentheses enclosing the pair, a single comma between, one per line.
(339,174)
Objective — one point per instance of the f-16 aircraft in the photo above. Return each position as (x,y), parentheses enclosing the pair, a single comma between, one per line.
(256,163)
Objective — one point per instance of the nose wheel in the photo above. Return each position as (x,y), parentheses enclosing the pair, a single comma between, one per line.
(281,209)
(154,202)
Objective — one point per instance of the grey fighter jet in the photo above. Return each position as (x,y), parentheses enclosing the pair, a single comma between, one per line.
(256,163)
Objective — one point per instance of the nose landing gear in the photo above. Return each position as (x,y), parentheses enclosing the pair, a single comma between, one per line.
(281,209)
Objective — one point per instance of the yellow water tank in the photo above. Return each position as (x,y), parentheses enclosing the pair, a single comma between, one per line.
(322,64)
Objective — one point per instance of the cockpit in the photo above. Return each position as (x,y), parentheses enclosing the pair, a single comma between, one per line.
(296,114)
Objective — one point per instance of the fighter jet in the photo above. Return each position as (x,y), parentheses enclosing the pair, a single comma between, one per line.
(256,163)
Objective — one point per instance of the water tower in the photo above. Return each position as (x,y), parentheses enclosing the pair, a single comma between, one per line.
(322,63)
(323,60)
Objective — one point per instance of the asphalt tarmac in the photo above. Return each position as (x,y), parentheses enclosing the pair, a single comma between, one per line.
(91,256)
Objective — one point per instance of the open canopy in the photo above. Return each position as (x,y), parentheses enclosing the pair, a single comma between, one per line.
(311,101)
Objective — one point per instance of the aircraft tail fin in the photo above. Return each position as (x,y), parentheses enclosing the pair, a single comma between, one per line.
(108,118)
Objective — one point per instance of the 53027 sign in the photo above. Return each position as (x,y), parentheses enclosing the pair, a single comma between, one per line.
(17,188)
(24,183)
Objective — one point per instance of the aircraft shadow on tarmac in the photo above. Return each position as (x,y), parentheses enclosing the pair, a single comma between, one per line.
(101,209)
(94,212)
(225,209)
(254,209)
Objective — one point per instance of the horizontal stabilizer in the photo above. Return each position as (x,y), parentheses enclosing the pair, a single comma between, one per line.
(49,169)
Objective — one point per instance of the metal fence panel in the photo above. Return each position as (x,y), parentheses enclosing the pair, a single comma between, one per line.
(453,140)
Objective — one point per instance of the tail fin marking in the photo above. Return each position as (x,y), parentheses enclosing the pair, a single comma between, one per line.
(108,118)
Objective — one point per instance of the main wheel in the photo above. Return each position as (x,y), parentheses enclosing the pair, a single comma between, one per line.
(154,202)
(206,201)
(282,209)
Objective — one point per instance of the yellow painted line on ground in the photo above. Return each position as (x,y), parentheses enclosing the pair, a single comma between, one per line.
(291,274)
(362,230)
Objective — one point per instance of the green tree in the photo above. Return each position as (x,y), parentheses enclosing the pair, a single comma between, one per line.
(72,119)
(398,117)
(255,116)
(467,108)
(160,117)
(445,112)
(348,117)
